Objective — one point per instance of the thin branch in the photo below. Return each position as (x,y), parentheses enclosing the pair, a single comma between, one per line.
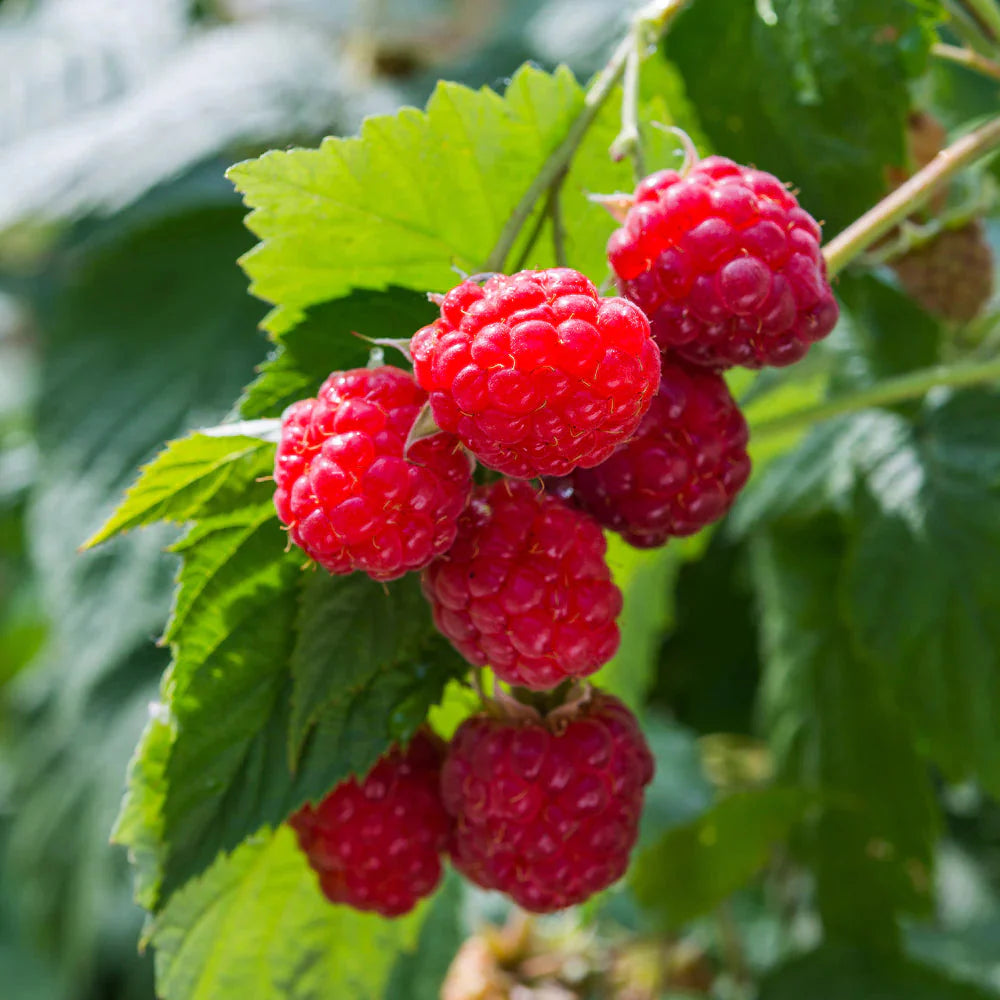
(651,20)
(558,229)
(987,15)
(551,212)
(912,385)
(532,240)
(628,142)
(967,58)
(892,209)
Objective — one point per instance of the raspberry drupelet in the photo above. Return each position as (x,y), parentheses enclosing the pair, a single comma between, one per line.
(681,471)
(526,588)
(352,495)
(547,812)
(726,265)
(535,373)
(377,844)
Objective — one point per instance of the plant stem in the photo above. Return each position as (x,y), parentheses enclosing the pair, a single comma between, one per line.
(987,16)
(651,20)
(558,229)
(551,212)
(967,58)
(891,210)
(628,142)
(894,390)
(968,29)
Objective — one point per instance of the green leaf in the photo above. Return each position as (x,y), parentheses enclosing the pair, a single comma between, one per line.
(883,333)
(231,632)
(228,713)
(324,342)
(819,474)
(835,729)
(144,332)
(256,926)
(140,822)
(420,193)
(832,60)
(834,973)
(708,675)
(691,869)
(197,476)
(418,974)
(921,585)
(646,579)
(679,791)
(350,630)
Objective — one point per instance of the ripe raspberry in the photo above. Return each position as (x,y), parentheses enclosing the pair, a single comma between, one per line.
(535,373)
(546,813)
(726,265)
(952,275)
(681,471)
(525,588)
(349,496)
(377,845)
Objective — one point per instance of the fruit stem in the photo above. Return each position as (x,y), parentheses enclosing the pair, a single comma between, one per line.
(895,207)
(650,22)
(628,142)
(558,229)
(892,390)
(968,58)
(551,211)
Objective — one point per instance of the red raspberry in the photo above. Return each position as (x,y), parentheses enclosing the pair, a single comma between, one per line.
(349,496)
(377,845)
(547,813)
(525,588)
(726,265)
(681,471)
(535,373)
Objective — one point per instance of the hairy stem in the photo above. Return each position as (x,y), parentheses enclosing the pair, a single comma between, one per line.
(651,20)
(908,197)
(912,385)
(968,58)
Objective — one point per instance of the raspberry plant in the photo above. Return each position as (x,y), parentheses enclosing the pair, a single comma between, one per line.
(274,794)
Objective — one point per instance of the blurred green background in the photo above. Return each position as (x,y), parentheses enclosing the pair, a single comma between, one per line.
(125,321)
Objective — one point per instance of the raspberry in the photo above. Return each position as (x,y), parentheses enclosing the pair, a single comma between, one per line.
(535,373)
(726,265)
(525,588)
(951,276)
(547,813)
(681,471)
(377,845)
(349,496)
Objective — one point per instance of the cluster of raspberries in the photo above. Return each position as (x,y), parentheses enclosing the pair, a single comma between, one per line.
(597,412)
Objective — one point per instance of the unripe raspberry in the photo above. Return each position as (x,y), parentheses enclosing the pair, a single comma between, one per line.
(726,265)
(547,812)
(951,275)
(681,471)
(350,496)
(377,845)
(535,373)
(525,588)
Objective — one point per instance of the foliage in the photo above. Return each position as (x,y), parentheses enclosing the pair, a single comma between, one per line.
(836,636)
